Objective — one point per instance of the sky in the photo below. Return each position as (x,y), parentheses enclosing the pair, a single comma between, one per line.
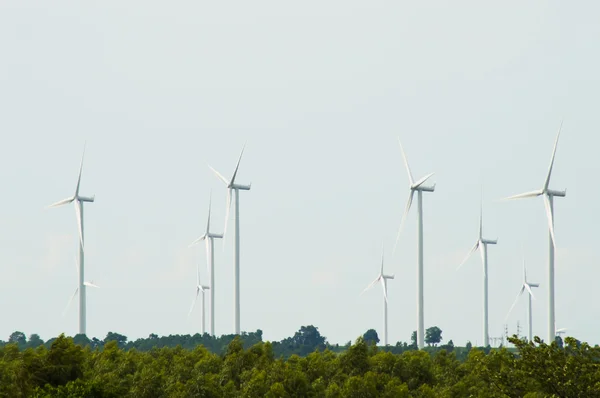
(320,93)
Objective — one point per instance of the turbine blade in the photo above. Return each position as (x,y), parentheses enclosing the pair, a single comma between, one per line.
(80,170)
(69,303)
(208,221)
(406,210)
(531,194)
(371,285)
(482,256)
(229,194)
(200,239)
(207,245)
(410,177)
(237,166)
(219,175)
(384,290)
(547,181)
(524,270)
(62,202)
(475,247)
(422,180)
(550,219)
(194,302)
(514,303)
(90,284)
(79,221)
(529,290)
(381,272)
(481,215)
(197,274)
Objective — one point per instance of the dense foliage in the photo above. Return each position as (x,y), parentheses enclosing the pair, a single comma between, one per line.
(111,369)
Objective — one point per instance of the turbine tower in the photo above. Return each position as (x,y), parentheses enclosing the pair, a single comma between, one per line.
(481,244)
(383,279)
(525,286)
(78,200)
(419,188)
(208,239)
(199,289)
(548,196)
(231,187)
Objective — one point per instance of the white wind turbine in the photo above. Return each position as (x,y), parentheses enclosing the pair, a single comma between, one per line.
(199,289)
(548,196)
(231,187)
(208,239)
(481,244)
(382,278)
(419,188)
(525,286)
(78,200)
(561,331)
(86,283)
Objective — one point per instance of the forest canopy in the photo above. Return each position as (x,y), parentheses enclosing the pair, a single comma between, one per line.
(303,365)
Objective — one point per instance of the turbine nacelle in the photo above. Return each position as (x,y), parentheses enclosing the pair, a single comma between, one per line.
(424,188)
(489,241)
(560,194)
(240,187)
(560,331)
(202,288)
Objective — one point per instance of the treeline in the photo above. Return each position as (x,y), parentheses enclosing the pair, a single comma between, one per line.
(363,370)
(306,340)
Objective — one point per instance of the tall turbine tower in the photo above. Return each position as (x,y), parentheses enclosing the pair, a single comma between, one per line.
(231,187)
(78,200)
(383,279)
(481,244)
(525,286)
(199,289)
(419,188)
(208,239)
(548,196)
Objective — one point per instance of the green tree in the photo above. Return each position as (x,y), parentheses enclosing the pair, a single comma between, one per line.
(433,335)
(18,338)
(35,341)
(119,338)
(371,336)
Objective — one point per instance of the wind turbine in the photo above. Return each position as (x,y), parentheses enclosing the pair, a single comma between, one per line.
(525,286)
(231,187)
(382,278)
(561,331)
(86,283)
(481,244)
(548,196)
(199,289)
(208,239)
(78,200)
(419,188)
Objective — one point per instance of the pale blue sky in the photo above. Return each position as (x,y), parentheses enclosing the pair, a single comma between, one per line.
(320,91)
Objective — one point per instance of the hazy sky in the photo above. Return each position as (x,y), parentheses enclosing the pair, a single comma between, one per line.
(320,91)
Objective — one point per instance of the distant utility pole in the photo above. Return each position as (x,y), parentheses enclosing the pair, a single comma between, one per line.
(518,330)
(506,333)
